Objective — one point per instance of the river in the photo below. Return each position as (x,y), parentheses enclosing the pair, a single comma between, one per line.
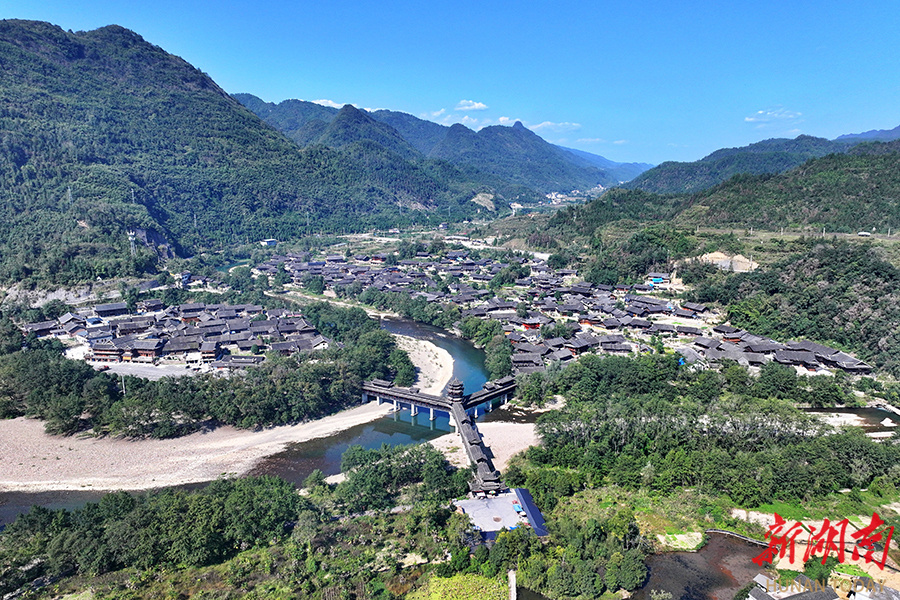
(715,572)
(297,461)
(468,361)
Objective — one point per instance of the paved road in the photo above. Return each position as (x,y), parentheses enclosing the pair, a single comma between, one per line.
(149,371)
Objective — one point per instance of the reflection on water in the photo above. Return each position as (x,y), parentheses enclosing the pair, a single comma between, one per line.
(716,572)
(299,460)
(468,361)
(526,594)
(510,414)
(872,420)
(12,504)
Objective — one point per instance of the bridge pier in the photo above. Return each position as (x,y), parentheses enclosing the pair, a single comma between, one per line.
(413,410)
(431,415)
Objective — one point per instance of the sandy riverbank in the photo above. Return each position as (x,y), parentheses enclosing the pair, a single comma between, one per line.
(330,297)
(434,365)
(504,440)
(34,461)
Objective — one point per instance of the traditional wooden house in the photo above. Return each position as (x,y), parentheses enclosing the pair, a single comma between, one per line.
(149,348)
(115,309)
(106,352)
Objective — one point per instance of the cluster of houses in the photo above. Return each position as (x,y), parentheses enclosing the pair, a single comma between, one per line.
(225,336)
(621,319)
(746,348)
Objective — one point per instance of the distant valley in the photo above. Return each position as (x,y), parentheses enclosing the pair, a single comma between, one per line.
(513,154)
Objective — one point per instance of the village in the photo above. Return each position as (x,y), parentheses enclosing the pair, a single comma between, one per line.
(621,319)
(213,336)
(581,317)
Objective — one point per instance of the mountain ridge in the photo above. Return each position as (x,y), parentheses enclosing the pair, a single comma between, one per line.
(105,133)
(499,154)
(873,135)
(775,155)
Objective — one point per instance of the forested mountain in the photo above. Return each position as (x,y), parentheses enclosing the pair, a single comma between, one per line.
(352,125)
(873,135)
(768,156)
(519,155)
(421,134)
(844,193)
(841,192)
(499,154)
(103,132)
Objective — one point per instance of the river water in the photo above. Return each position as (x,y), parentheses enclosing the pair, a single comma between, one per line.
(297,461)
(468,361)
(715,572)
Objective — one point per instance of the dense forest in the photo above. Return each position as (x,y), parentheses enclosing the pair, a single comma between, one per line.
(71,396)
(833,292)
(649,424)
(501,156)
(844,193)
(768,156)
(105,133)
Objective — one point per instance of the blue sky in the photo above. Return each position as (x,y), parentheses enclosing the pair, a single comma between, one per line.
(633,81)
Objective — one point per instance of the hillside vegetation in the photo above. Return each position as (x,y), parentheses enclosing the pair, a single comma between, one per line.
(499,156)
(844,193)
(767,156)
(837,293)
(103,133)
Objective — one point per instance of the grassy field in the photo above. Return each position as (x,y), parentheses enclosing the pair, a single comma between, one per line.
(462,587)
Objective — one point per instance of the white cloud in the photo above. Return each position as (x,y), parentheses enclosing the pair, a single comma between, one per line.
(438,113)
(466,120)
(772,115)
(470,105)
(329,103)
(620,142)
(555,127)
(591,141)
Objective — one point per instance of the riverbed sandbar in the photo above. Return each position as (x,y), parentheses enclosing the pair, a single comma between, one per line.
(35,461)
